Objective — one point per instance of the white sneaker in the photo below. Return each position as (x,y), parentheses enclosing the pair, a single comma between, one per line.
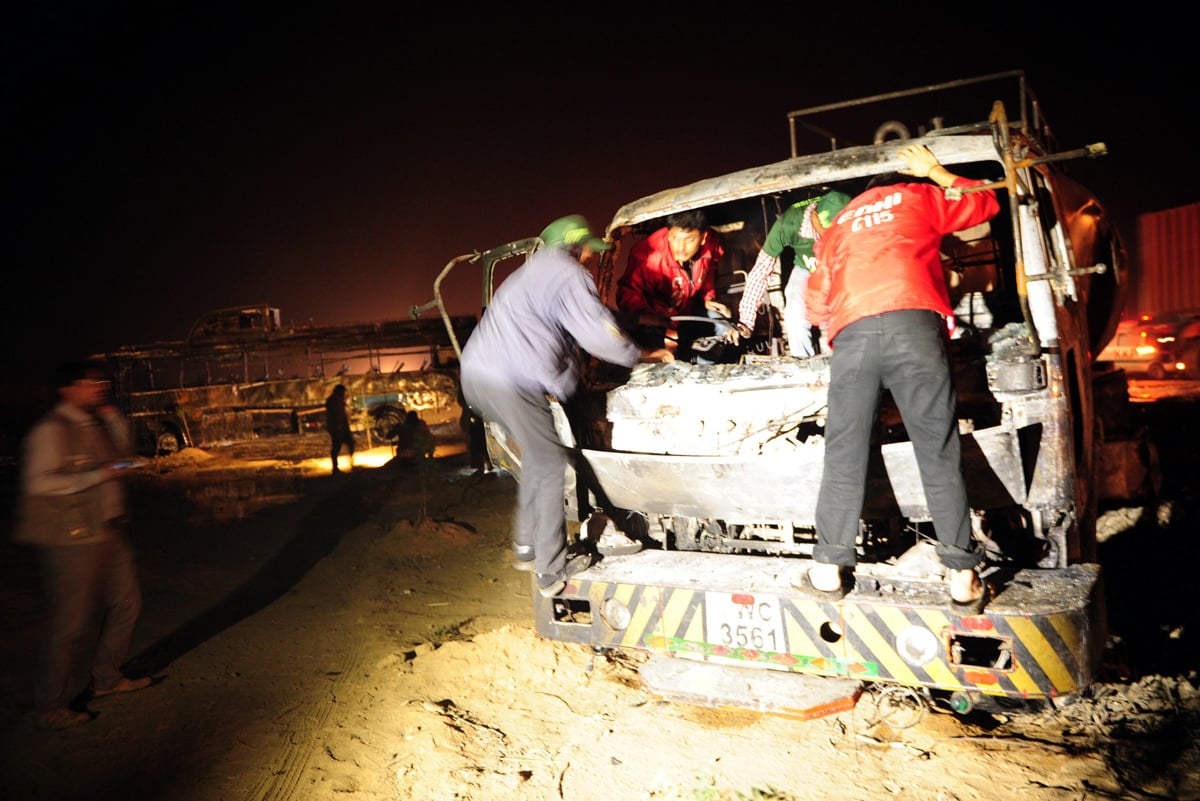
(608,541)
(613,543)
(523,557)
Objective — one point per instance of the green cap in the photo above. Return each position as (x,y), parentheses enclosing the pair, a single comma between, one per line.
(828,207)
(572,231)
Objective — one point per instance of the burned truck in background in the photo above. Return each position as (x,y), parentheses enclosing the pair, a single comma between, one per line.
(241,375)
(715,465)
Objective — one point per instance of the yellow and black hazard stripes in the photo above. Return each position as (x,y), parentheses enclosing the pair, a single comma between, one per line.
(1020,650)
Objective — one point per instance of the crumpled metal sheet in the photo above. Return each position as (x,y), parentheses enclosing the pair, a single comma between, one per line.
(718,410)
(782,485)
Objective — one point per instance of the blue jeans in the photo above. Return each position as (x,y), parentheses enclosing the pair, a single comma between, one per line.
(905,353)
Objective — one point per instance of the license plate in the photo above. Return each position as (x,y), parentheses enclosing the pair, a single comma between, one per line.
(744,621)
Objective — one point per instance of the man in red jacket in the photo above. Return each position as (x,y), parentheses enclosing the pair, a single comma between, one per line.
(880,293)
(672,273)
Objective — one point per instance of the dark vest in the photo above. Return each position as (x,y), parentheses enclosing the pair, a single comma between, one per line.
(75,519)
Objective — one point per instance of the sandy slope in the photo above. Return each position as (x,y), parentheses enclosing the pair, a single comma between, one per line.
(339,647)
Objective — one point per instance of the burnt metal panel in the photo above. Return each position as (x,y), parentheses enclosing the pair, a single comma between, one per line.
(1169,262)
(991,465)
(780,486)
(822,168)
(783,486)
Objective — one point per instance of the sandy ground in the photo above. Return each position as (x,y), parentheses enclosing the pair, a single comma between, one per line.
(352,637)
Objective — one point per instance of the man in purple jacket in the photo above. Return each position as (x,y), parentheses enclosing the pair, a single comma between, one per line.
(526,350)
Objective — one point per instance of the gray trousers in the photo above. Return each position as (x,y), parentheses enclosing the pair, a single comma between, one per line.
(541,515)
(93,602)
(905,353)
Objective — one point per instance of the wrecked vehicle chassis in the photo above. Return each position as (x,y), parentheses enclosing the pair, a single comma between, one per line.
(739,485)
(715,467)
(741,451)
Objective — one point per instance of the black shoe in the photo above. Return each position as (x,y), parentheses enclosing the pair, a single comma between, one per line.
(550,585)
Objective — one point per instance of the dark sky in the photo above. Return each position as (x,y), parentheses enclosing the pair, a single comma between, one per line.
(168,158)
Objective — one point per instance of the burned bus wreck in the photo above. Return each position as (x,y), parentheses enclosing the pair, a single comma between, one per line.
(714,464)
(241,375)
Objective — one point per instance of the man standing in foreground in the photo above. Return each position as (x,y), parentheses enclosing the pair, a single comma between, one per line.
(880,293)
(526,348)
(72,508)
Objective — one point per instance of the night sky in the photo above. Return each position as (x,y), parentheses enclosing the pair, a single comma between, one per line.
(331,159)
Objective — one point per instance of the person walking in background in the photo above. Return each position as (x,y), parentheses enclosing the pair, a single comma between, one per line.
(526,350)
(337,423)
(880,293)
(672,273)
(72,509)
(473,430)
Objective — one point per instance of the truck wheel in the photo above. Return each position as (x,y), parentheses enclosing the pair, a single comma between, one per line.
(1156,371)
(388,421)
(167,442)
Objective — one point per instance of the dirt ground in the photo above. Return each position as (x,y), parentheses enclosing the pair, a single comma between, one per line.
(318,637)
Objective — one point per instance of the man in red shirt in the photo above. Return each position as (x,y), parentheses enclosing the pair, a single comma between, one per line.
(672,273)
(880,293)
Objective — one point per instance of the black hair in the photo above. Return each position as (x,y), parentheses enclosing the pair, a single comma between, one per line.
(693,220)
(889,178)
(885,179)
(68,373)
